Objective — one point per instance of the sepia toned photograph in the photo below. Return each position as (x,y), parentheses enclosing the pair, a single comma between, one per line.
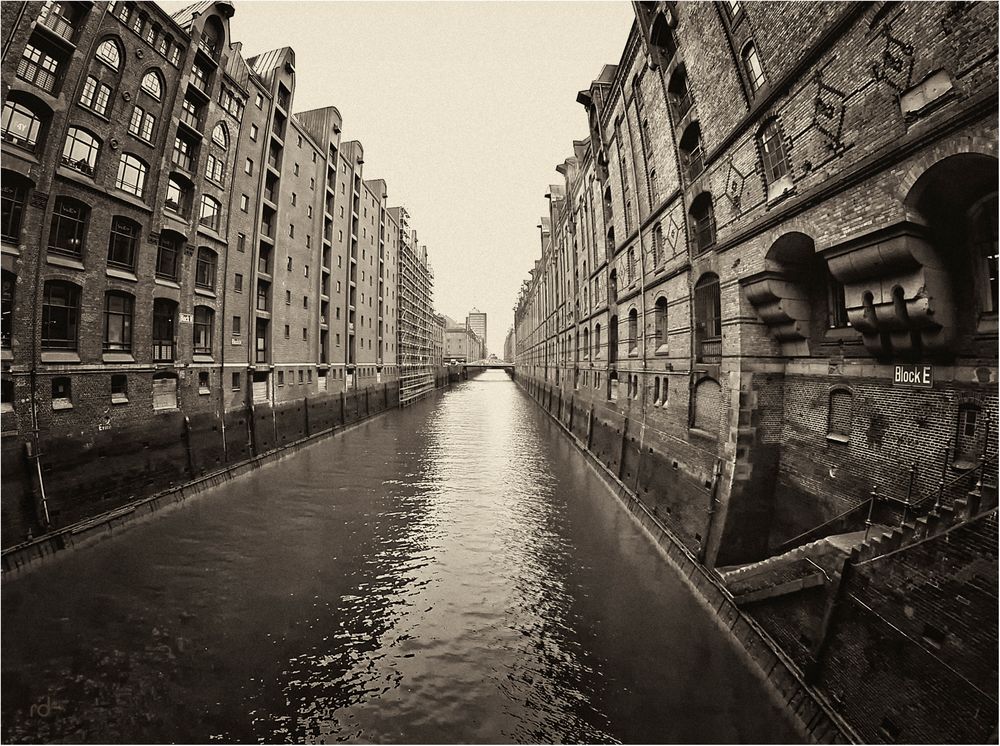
(502,371)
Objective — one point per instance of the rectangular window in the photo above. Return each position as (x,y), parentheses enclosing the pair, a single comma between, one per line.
(248,166)
(253,132)
(241,242)
(141,124)
(237,326)
(62,393)
(237,383)
(117,322)
(244,203)
(119,389)
(281,378)
(95,96)
(123,242)
(305,333)
(203,317)
(288,331)
(238,282)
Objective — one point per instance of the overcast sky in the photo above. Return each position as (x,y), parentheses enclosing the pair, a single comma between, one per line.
(464,108)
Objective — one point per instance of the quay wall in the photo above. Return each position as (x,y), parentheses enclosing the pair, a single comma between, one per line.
(611,454)
(94,488)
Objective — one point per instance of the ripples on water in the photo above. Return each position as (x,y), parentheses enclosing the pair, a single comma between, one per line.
(452,572)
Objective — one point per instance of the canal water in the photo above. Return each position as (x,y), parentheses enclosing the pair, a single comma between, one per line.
(453,572)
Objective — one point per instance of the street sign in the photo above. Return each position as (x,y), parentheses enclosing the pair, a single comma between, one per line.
(913,375)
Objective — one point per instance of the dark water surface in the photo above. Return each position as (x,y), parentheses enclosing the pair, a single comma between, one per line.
(450,573)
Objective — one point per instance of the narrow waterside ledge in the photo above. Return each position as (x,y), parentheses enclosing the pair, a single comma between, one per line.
(810,711)
(22,558)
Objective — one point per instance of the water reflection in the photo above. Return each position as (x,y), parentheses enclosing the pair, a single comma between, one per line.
(452,572)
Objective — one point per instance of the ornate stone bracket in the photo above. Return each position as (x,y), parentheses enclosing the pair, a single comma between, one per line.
(898,292)
(783,304)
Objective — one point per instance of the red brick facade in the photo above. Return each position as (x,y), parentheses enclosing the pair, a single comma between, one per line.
(778,204)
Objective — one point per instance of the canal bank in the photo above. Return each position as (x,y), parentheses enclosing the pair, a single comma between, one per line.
(814,716)
(448,574)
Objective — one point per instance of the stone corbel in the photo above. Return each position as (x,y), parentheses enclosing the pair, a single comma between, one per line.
(783,304)
(897,291)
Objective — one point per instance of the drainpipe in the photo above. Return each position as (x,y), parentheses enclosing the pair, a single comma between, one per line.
(712,500)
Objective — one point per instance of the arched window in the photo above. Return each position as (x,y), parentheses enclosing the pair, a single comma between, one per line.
(167,253)
(204,276)
(60,315)
(21,126)
(702,222)
(219,136)
(152,84)
(613,286)
(597,341)
(164,324)
(13,194)
(69,227)
(772,151)
(211,211)
(81,150)
(691,154)
(203,319)
(123,242)
(118,307)
(983,242)
(679,94)
(660,334)
(631,264)
(839,414)
(707,409)
(661,39)
(753,67)
(178,195)
(131,176)
(586,343)
(708,319)
(110,54)
(633,332)
(657,248)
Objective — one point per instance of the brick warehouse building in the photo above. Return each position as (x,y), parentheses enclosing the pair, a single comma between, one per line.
(192,273)
(767,291)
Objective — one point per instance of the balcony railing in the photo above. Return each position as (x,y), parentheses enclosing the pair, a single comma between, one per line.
(710,351)
(61,25)
(183,160)
(163,350)
(682,105)
(37,75)
(190,118)
(694,163)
